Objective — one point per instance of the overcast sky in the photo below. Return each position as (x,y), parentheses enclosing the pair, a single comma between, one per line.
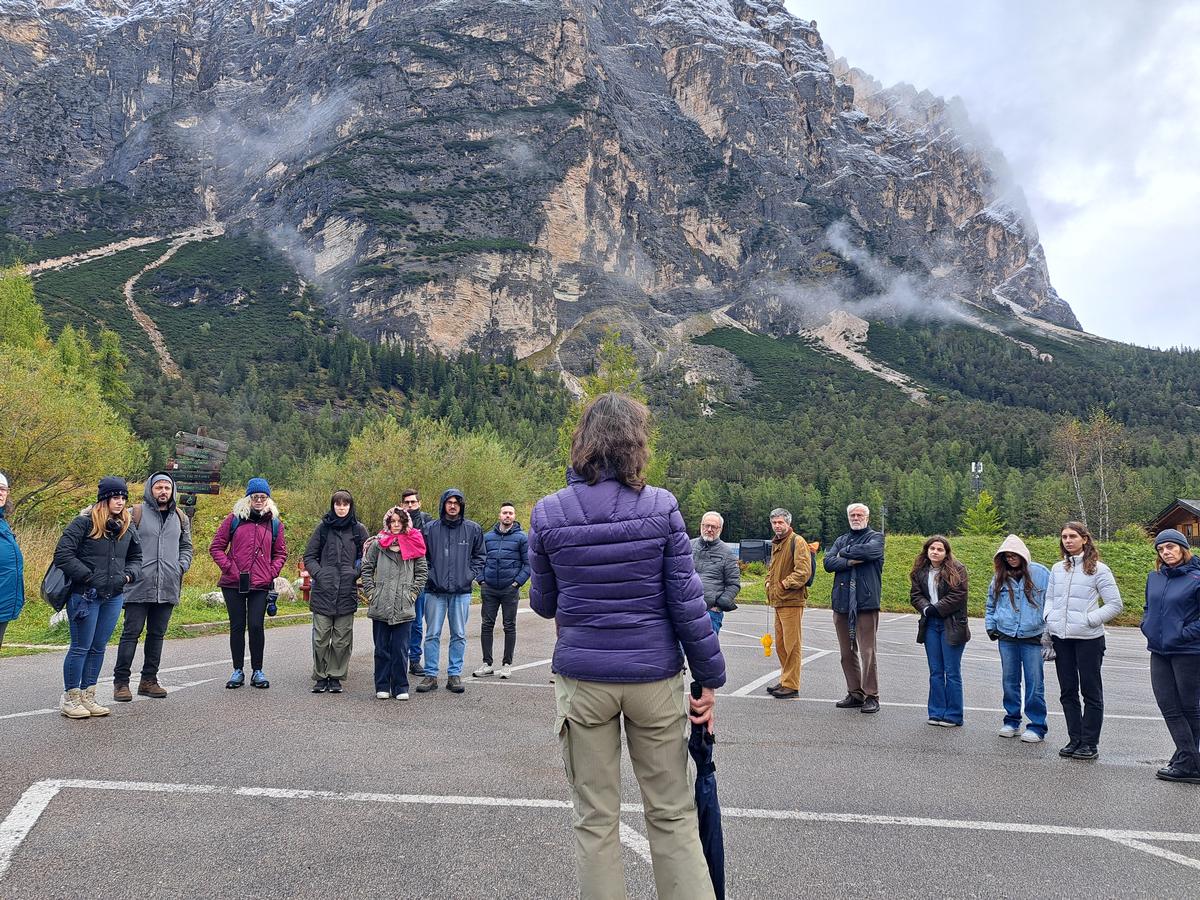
(1096,104)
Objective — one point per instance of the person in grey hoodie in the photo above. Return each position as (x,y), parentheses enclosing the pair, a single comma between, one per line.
(166,538)
(1081,597)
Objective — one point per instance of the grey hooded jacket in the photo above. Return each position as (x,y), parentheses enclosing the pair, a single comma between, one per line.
(166,539)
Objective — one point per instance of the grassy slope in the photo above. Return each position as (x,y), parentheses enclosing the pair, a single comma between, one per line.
(1129,562)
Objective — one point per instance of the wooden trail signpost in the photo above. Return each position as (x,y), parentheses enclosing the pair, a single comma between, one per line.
(196,467)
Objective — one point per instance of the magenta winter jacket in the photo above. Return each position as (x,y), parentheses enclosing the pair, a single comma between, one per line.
(251,552)
(613,567)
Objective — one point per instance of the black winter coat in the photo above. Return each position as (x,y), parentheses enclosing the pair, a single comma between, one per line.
(108,564)
(333,558)
(865,546)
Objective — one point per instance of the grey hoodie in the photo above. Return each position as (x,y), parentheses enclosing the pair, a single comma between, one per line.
(166,539)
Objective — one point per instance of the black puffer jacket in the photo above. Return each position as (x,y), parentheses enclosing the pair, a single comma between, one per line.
(107,564)
(333,558)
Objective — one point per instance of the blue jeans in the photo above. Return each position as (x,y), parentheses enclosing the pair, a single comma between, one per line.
(1017,657)
(717,618)
(437,608)
(945,673)
(416,638)
(89,637)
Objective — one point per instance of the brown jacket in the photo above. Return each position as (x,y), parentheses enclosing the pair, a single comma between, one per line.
(791,564)
(951,606)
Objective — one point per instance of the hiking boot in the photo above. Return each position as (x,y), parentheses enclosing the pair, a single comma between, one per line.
(70,706)
(236,680)
(870,705)
(121,692)
(850,701)
(483,671)
(87,699)
(259,680)
(414,668)
(428,683)
(321,686)
(149,687)
(335,685)
(454,684)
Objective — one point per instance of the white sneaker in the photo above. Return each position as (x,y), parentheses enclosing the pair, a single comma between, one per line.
(382,695)
(1008,731)
(1031,737)
(506,671)
(483,671)
(403,696)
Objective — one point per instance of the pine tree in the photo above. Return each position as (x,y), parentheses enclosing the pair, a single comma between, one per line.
(982,518)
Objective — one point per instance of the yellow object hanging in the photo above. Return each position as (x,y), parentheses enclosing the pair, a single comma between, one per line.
(766,643)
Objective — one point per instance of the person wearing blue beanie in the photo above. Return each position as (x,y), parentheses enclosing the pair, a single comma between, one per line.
(1171,625)
(258,486)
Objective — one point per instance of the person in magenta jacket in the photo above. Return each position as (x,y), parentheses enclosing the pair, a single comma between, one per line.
(250,551)
(612,565)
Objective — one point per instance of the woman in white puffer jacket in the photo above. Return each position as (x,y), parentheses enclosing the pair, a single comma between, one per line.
(1081,597)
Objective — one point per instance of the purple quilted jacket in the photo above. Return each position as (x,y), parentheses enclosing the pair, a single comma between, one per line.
(613,567)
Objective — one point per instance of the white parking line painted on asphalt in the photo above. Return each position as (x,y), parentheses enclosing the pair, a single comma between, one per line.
(532,665)
(33,802)
(899,618)
(170,688)
(759,682)
(755,637)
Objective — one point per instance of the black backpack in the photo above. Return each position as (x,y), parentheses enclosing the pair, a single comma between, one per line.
(812,560)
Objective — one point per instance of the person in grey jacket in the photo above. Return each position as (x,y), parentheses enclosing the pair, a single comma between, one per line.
(1081,597)
(393,576)
(716,564)
(166,538)
(856,561)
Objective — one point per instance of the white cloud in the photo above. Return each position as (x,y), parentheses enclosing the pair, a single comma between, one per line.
(1096,105)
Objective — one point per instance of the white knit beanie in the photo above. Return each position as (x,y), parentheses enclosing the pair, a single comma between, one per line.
(3,480)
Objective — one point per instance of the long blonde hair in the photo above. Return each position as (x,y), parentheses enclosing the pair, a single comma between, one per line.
(100,516)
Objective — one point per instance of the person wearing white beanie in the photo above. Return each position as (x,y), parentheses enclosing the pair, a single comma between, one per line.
(12,566)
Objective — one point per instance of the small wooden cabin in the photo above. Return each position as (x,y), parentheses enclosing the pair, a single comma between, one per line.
(1182,515)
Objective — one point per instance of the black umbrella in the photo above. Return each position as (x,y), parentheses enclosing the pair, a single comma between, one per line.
(708,807)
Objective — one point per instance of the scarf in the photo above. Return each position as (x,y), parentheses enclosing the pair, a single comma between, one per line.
(411,542)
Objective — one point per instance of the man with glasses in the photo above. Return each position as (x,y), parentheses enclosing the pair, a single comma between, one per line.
(717,566)
(411,501)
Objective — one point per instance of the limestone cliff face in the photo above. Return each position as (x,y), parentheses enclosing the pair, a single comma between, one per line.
(494,173)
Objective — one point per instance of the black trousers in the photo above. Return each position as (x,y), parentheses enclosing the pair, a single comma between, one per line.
(1175,679)
(493,600)
(246,611)
(3,628)
(391,656)
(153,617)
(1077,662)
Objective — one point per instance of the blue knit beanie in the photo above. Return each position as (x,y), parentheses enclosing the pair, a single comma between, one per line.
(258,486)
(1172,536)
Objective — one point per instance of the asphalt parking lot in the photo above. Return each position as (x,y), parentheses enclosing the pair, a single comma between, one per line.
(283,793)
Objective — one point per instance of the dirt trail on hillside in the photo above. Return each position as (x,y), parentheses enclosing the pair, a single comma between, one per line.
(199,233)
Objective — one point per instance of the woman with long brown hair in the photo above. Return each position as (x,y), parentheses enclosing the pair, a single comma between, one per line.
(612,564)
(939,593)
(100,554)
(1082,596)
(1014,617)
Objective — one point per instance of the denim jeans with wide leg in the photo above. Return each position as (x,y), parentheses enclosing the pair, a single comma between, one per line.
(417,637)
(1019,658)
(89,637)
(945,673)
(439,607)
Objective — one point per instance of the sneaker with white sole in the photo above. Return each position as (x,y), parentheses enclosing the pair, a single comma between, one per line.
(1008,731)
(483,671)
(1031,737)
(506,671)
(382,695)
(403,696)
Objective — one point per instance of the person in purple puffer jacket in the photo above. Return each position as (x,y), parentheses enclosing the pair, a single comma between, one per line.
(611,563)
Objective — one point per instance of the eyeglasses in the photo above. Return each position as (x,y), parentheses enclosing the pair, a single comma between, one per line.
(410,501)
(258,498)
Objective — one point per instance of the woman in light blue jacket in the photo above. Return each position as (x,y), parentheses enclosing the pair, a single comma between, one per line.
(12,567)
(1082,596)
(1013,616)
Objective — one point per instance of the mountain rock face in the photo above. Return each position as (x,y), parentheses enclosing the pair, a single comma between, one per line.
(496,174)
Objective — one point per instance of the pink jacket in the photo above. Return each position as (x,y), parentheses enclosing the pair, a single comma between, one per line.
(252,549)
